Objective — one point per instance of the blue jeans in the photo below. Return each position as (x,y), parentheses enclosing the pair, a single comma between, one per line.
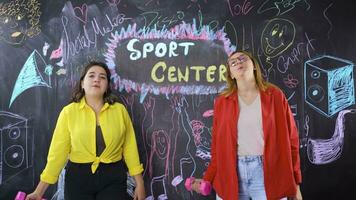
(251,182)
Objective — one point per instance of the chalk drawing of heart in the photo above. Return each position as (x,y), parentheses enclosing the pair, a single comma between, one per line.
(81,13)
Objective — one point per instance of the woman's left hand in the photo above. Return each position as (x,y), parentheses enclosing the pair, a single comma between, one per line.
(140,193)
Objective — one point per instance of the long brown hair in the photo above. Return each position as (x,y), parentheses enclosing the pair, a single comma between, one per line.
(78,92)
(231,83)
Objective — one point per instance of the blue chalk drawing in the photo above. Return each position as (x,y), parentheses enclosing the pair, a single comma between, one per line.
(30,75)
(329,84)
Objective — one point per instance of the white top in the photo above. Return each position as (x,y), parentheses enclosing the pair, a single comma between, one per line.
(249,128)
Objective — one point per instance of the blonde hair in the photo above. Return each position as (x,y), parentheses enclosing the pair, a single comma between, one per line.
(231,83)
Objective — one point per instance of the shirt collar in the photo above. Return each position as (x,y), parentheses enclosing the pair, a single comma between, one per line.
(82,103)
(232,96)
(105,106)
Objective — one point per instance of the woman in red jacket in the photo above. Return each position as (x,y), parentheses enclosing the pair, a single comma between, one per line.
(255,144)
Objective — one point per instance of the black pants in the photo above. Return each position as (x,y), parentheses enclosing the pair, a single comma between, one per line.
(107,183)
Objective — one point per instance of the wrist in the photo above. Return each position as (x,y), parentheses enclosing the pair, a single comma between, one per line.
(38,192)
(41,188)
(139,184)
(139,179)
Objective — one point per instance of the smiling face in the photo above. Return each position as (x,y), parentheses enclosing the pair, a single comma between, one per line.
(95,81)
(277,36)
(19,19)
(13,28)
(160,142)
(241,66)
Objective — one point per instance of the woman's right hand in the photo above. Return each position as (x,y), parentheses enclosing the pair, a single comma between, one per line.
(39,191)
(196,185)
(33,196)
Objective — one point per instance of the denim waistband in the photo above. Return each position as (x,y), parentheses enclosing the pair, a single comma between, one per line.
(250,158)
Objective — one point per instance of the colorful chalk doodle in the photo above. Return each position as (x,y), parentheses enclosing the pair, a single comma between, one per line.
(168,63)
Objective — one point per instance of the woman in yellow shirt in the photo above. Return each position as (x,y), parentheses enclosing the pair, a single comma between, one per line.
(94,134)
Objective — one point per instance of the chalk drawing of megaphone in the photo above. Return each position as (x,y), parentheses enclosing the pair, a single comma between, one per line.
(35,72)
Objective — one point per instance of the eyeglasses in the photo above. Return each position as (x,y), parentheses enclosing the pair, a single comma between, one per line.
(239,60)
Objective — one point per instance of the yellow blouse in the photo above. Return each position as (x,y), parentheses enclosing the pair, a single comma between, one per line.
(74,138)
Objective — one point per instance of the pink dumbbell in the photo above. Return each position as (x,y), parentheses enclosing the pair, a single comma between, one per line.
(22,196)
(204,188)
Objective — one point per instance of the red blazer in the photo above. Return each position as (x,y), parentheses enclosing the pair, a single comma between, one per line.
(281,162)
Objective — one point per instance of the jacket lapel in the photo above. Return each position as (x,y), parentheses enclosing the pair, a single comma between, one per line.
(267,106)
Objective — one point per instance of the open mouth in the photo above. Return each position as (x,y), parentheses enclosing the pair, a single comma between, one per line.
(239,68)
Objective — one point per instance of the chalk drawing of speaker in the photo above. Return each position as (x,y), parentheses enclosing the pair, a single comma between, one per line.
(329,84)
(13,145)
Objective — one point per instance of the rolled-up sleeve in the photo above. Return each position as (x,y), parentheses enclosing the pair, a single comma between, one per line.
(131,155)
(58,151)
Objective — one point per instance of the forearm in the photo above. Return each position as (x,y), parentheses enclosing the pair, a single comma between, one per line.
(41,188)
(140,193)
(138,179)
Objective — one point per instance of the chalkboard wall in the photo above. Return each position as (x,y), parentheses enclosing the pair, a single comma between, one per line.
(167,59)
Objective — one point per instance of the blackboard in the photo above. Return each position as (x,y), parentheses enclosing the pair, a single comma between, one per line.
(167,59)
